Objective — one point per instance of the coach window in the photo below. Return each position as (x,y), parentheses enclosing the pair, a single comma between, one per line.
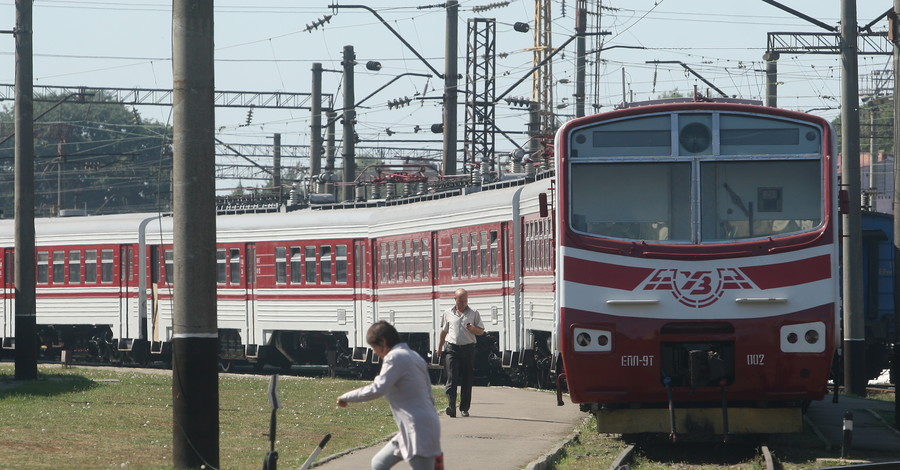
(106,266)
(169,267)
(59,265)
(454,255)
(325,251)
(310,258)
(484,254)
(407,259)
(426,261)
(43,267)
(494,253)
(220,266)
(234,266)
(417,260)
(473,254)
(382,259)
(464,255)
(340,264)
(280,265)
(90,266)
(392,254)
(74,266)
(296,265)
(359,263)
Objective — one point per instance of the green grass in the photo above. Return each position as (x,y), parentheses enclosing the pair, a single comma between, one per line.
(83,418)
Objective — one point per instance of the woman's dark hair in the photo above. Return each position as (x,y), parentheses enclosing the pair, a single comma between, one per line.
(383,331)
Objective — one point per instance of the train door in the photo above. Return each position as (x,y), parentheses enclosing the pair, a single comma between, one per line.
(362,291)
(128,301)
(253,337)
(7,274)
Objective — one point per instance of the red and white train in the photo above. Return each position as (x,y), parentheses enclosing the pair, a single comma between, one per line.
(679,271)
(697,266)
(295,286)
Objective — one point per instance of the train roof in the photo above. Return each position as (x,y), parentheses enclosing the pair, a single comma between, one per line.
(464,209)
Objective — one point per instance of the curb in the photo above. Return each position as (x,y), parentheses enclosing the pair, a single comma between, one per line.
(546,461)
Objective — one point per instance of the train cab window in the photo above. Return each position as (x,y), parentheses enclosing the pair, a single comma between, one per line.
(43,267)
(311,259)
(296,265)
(106,266)
(649,136)
(221,266)
(280,265)
(340,264)
(58,267)
(74,266)
(751,135)
(760,198)
(169,256)
(90,266)
(326,261)
(656,209)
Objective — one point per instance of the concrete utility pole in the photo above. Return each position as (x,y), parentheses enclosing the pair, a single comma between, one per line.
(330,148)
(315,126)
(580,59)
(771,59)
(854,318)
(276,163)
(195,338)
(451,98)
(26,321)
(348,192)
(894,33)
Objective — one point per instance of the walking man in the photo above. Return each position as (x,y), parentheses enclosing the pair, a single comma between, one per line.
(459,326)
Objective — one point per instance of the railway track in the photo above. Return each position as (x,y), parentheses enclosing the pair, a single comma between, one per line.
(661,451)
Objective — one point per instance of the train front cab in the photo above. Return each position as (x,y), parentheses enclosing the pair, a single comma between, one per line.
(697,267)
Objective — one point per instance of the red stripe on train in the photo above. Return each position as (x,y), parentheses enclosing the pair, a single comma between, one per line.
(604,274)
(792,273)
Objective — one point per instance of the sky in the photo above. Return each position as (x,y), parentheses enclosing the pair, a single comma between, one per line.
(266,45)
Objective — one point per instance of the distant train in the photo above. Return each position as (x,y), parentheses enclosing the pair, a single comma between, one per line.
(878,295)
(302,287)
(697,266)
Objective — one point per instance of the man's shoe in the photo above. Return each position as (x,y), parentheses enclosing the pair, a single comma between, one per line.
(451,412)
(465,414)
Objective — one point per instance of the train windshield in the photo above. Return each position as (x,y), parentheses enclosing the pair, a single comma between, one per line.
(696,178)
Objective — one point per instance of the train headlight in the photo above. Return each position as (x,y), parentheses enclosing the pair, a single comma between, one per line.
(590,340)
(813,334)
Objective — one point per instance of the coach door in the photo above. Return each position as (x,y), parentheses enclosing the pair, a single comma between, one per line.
(7,274)
(253,338)
(362,292)
(128,301)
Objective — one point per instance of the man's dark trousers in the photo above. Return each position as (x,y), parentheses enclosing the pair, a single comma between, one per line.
(460,364)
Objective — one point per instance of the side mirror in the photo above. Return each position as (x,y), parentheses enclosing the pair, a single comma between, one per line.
(542,205)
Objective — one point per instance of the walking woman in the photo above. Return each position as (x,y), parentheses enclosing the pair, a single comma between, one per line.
(404,382)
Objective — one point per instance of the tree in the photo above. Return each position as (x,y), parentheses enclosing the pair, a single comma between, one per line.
(875,114)
(101,156)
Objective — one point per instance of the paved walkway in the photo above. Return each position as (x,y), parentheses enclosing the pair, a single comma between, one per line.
(870,433)
(509,428)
